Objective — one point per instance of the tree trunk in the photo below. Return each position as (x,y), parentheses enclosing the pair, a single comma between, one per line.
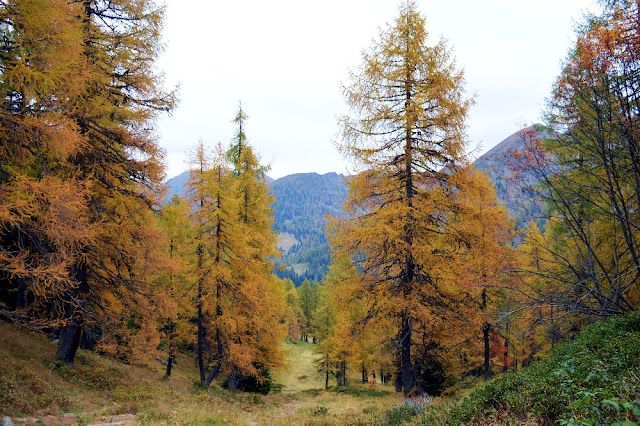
(169,363)
(399,373)
(71,331)
(485,335)
(364,374)
(506,356)
(200,337)
(69,341)
(326,377)
(214,373)
(21,294)
(408,376)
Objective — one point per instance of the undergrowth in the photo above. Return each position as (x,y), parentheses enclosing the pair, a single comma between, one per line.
(594,379)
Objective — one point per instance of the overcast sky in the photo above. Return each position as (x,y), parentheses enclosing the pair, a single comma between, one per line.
(286,59)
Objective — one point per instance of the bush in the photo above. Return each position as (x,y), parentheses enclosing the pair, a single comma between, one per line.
(320,410)
(412,407)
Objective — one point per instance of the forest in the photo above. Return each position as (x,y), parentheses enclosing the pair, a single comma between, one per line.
(437,307)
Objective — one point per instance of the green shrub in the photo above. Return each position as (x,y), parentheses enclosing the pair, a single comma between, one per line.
(320,410)
(592,380)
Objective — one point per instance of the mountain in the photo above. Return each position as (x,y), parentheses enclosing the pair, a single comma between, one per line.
(177,185)
(303,201)
(520,203)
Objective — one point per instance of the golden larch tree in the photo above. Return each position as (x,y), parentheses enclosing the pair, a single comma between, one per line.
(405,135)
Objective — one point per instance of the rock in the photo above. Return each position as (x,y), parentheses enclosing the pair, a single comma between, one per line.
(68,415)
(6,421)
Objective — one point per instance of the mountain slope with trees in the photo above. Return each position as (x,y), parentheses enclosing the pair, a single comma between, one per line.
(302,202)
(513,187)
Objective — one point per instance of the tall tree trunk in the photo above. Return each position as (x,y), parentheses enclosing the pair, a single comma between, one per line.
(399,370)
(505,359)
(408,376)
(326,377)
(486,328)
(213,374)
(21,294)
(71,331)
(344,373)
(200,334)
(170,361)
(69,341)
(364,374)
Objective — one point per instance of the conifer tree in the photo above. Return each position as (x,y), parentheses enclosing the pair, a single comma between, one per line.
(173,284)
(306,300)
(255,330)
(80,153)
(121,162)
(200,200)
(406,136)
(43,215)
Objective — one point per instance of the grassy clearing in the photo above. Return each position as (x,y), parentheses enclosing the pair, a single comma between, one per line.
(300,373)
(32,385)
(286,241)
(300,268)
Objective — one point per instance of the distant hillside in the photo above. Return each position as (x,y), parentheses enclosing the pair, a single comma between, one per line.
(177,185)
(494,163)
(302,201)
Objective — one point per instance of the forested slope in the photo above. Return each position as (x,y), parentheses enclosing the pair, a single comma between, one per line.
(591,380)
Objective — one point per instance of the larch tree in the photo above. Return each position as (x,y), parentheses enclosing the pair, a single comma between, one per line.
(173,283)
(254,322)
(120,162)
(589,174)
(482,226)
(200,200)
(305,298)
(406,135)
(226,251)
(80,166)
(324,324)
(43,216)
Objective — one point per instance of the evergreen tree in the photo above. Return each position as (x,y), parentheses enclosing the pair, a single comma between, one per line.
(256,331)
(406,135)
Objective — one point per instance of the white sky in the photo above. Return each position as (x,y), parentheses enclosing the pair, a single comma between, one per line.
(286,59)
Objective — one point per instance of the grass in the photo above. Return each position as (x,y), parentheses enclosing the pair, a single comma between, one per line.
(300,268)
(592,380)
(286,241)
(32,385)
(300,372)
